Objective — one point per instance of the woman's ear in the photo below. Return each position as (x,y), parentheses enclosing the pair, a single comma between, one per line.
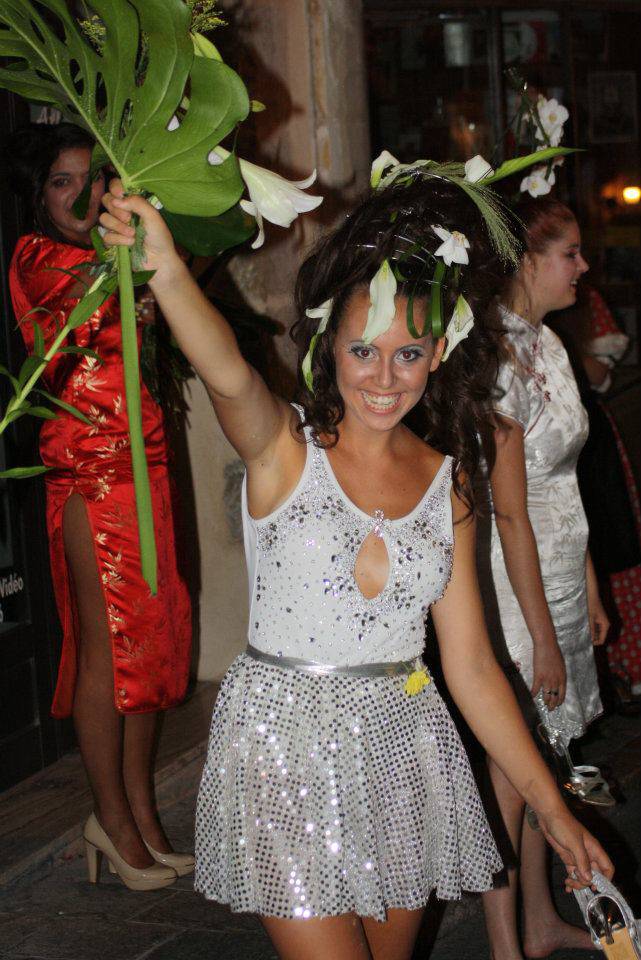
(439,347)
(528,267)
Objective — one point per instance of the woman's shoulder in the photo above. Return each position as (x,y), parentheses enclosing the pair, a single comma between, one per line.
(429,461)
(38,266)
(29,250)
(35,252)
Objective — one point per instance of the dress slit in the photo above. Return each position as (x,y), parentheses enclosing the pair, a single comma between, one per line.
(83,527)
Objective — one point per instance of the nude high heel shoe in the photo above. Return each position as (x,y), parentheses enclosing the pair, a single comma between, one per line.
(97,844)
(182,863)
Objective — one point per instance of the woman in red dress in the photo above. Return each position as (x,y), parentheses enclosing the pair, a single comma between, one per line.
(125,653)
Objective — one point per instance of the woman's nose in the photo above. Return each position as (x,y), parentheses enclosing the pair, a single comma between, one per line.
(584,266)
(385,372)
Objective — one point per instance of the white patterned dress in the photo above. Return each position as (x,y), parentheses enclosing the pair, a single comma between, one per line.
(537,389)
(324,795)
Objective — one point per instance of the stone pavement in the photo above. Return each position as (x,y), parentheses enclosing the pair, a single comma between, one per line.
(54,914)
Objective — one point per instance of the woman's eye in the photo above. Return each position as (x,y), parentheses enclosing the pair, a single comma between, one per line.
(408,355)
(363,353)
(59,183)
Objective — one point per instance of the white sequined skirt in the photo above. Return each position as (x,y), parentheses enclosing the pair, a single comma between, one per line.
(329,795)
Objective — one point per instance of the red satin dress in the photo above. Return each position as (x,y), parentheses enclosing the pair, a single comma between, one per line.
(150,636)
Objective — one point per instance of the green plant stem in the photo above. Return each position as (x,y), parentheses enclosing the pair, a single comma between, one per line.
(134,413)
(24,391)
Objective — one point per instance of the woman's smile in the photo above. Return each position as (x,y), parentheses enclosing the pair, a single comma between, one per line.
(381,403)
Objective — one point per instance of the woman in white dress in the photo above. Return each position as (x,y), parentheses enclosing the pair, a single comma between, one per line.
(540,591)
(336,795)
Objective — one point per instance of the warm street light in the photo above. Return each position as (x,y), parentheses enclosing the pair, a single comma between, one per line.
(632,194)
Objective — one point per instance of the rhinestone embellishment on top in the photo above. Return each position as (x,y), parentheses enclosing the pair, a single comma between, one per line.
(306,552)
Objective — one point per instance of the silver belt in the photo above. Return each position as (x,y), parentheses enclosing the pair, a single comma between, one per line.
(329,669)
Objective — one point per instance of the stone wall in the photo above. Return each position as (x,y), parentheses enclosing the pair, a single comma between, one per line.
(304,60)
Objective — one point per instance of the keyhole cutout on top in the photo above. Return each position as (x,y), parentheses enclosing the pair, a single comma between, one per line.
(372,566)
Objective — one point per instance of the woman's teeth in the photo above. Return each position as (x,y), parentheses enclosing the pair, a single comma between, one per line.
(382,402)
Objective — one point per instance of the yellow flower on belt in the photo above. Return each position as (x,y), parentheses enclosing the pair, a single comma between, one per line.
(416,681)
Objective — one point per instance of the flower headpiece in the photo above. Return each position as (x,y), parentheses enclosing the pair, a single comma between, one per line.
(438,265)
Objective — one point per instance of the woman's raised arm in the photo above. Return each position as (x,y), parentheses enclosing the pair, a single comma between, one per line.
(251,416)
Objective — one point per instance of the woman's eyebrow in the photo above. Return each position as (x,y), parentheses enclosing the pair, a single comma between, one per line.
(66,173)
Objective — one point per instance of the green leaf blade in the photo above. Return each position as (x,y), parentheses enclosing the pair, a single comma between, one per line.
(21,473)
(517,164)
(43,413)
(28,368)
(66,406)
(82,351)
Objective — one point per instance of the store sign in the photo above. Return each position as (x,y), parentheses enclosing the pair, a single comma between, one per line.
(12,599)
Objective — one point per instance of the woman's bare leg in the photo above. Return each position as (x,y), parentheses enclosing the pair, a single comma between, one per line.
(500,905)
(394,938)
(141,731)
(543,929)
(330,938)
(99,726)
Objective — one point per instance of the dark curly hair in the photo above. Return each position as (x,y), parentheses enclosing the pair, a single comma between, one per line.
(455,403)
(27,157)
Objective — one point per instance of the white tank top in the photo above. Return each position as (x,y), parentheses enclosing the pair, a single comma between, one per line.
(304,600)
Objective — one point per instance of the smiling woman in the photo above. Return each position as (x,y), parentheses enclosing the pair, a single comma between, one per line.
(336,794)
(66,179)
(125,653)
(542,601)
(50,165)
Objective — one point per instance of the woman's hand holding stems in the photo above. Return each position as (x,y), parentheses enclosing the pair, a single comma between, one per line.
(252,418)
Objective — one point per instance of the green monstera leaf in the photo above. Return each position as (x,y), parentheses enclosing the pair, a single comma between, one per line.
(155,111)
(126,94)
(210,236)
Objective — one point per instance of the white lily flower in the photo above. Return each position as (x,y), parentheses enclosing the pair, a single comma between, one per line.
(382,162)
(382,307)
(270,196)
(454,247)
(536,183)
(323,313)
(552,115)
(477,169)
(459,326)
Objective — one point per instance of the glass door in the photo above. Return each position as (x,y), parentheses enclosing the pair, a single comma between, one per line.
(29,631)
